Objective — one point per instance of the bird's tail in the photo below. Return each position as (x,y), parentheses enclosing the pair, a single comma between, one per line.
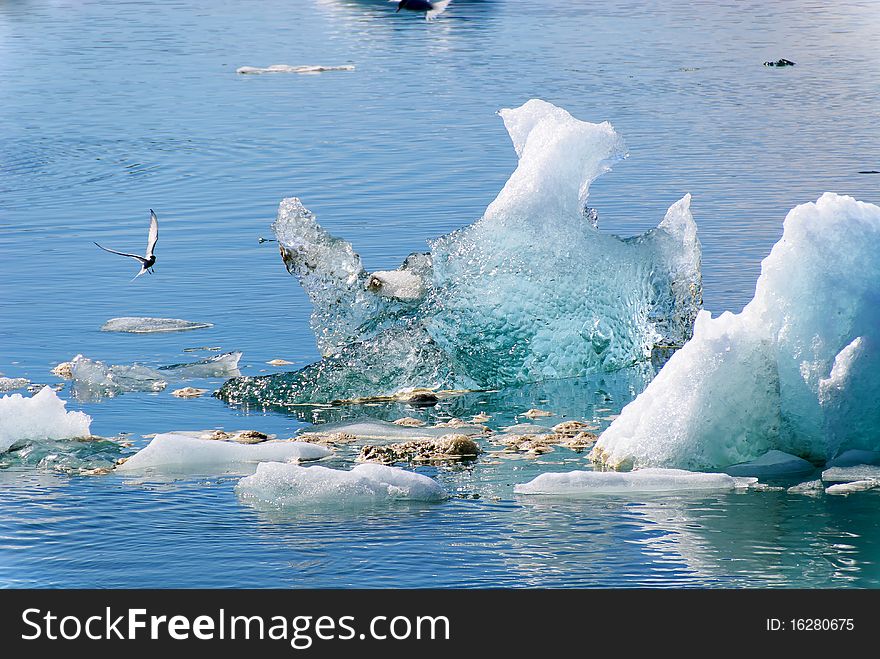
(439,7)
(143,270)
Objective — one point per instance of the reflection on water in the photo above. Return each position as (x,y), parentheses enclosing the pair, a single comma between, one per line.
(110,109)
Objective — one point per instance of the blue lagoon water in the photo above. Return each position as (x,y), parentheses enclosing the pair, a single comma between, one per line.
(108,109)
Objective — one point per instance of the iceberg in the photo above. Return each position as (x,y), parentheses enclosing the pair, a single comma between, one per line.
(798,370)
(531,291)
(582,483)
(147,325)
(39,417)
(179,452)
(281,484)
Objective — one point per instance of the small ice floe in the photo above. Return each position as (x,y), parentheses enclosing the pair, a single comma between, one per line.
(809,488)
(41,416)
(327,438)
(853,486)
(92,378)
(482,417)
(851,474)
(218,366)
(189,392)
(772,463)
(282,484)
(373,429)
(408,421)
(147,325)
(279,362)
(536,414)
(179,452)
(11,384)
(287,68)
(447,447)
(575,483)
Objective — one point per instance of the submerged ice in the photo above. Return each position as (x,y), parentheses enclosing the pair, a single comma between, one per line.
(531,291)
(798,370)
(38,417)
(95,379)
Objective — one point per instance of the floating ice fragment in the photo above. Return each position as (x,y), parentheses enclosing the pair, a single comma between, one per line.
(287,68)
(853,486)
(529,292)
(176,453)
(95,379)
(218,366)
(372,429)
(809,488)
(798,370)
(575,483)
(11,384)
(41,416)
(287,484)
(850,474)
(772,463)
(147,325)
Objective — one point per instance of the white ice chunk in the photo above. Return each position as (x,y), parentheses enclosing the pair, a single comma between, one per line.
(373,429)
(851,474)
(853,486)
(173,452)
(41,416)
(809,488)
(772,463)
(287,484)
(400,284)
(147,325)
(11,384)
(287,68)
(576,483)
(798,370)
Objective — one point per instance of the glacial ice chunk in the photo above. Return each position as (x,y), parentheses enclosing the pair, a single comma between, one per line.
(11,384)
(147,325)
(583,483)
(282,484)
(41,416)
(95,379)
(531,291)
(798,370)
(851,474)
(374,429)
(176,453)
(852,486)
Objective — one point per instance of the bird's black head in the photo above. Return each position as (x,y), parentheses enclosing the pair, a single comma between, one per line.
(401,5)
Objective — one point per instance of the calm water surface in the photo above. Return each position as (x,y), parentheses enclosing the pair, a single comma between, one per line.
(108,109)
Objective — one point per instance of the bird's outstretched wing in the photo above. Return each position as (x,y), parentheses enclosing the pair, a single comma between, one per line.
(132,256)
(439,7)
(153,236)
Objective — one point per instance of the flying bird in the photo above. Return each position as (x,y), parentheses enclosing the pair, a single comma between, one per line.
(149,259)
(431,9)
